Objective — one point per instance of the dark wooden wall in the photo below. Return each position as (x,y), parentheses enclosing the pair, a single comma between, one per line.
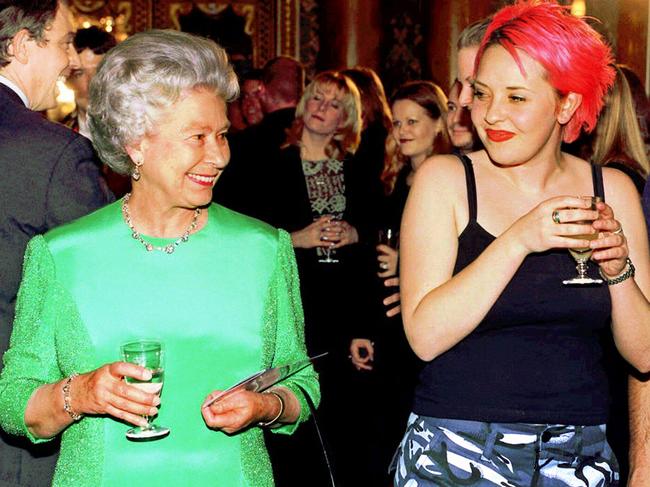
(371,32)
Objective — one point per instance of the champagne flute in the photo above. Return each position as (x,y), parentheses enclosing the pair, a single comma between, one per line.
(149,354)
(582,254)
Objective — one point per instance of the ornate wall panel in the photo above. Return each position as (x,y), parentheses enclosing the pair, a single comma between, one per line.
(121,17)
(309,35)
(256,30)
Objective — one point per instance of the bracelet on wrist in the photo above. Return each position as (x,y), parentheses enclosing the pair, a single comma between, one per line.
(628,271)
(266,424)
(66,398)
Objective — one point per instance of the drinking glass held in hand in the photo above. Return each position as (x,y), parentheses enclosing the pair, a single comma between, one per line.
(327,255)
(148,354)
(582,254)
(387,254)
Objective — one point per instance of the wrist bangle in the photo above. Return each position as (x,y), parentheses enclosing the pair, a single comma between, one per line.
(66,398)
(266,424)
(628,272)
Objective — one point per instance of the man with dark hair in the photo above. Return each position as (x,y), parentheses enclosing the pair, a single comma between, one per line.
(91,44)
(251,105)
(242,186)
(49,176)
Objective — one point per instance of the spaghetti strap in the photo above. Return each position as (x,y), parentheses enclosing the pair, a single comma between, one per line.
(597,178)
(471,186)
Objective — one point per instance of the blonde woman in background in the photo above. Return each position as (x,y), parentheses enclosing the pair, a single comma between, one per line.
(617,141)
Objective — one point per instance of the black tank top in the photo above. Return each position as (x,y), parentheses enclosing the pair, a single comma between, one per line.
(536,357)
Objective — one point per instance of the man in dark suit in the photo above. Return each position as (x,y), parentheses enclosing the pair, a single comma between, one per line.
(49,175)
(243,185)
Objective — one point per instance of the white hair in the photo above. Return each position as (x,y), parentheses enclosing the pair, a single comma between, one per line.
(147,72)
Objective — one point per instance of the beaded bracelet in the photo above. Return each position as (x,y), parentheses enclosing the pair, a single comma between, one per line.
(266,424)
(629,272)
(66,399)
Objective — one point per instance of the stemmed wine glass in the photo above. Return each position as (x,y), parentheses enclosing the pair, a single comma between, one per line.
(327,254)
(149,354)
(582,254)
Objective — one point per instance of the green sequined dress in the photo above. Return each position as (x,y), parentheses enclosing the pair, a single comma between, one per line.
(225,304)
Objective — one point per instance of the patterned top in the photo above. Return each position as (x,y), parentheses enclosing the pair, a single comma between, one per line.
(326,190)
(325,186)
(225,304)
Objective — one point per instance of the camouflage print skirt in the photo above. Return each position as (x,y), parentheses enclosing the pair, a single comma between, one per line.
(448,452)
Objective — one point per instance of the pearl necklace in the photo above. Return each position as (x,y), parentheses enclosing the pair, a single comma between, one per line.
(169,249)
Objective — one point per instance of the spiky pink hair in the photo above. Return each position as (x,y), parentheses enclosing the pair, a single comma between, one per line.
(573,54)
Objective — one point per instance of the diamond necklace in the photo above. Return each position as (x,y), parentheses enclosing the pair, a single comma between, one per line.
(169,248)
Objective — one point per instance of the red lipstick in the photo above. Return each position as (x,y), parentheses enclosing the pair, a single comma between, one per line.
(499,135)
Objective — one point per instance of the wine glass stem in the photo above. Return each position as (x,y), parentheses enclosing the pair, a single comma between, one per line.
(582,268)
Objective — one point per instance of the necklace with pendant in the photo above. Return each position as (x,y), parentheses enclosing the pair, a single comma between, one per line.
(169,248)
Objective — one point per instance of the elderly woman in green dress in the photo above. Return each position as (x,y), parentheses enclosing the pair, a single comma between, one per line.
(219,289)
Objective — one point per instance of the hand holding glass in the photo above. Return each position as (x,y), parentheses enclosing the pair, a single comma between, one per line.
(582,254)
(329,253)
(148,354)
(389,237)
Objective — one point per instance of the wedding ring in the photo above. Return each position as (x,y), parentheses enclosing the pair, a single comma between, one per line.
(618,231)
(556,216)
(383,265)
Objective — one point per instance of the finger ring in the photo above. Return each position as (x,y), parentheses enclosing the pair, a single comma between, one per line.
(383,265)
(618,231)
(556,216)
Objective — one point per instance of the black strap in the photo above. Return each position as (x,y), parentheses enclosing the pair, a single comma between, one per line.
(597,178)
(471,186)
(312,409)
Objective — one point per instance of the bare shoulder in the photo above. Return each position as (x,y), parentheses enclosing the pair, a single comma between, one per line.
(619,187)
(441,172)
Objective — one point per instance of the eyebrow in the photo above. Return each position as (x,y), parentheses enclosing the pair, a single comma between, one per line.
(511,88)
(193,127)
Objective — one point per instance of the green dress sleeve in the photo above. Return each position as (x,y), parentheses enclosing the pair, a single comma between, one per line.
(31,360)
(290,330)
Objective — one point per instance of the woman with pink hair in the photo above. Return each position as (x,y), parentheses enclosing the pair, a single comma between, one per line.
(514,392)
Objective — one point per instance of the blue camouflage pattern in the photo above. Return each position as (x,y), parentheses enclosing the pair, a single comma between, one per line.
(448,452)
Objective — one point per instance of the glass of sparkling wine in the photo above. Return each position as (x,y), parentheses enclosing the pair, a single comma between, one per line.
(582,254)
(149,354)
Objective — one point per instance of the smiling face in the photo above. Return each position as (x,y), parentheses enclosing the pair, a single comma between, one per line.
(185,153)
(414,130)
(459,121)
(515,116)
(49,59)
(324,112)
(251,106)
(79,78)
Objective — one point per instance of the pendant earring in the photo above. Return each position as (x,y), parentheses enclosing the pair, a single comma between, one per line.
(135,174)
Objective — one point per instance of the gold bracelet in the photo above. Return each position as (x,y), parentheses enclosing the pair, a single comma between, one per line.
(266,424)
(66,398)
